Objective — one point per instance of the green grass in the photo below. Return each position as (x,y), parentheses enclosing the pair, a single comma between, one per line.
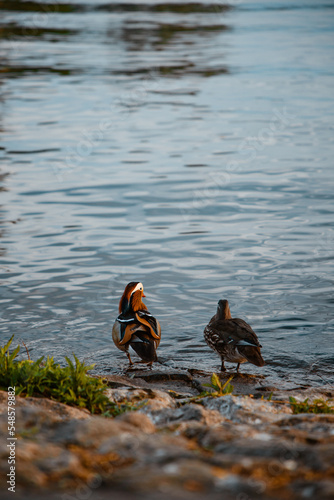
(218,388)
(69,384)
(317,406)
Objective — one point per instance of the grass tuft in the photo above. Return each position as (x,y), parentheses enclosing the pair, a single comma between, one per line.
(318,406)
(69,384)
(219,388)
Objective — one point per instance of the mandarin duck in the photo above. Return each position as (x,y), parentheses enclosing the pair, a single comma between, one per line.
(232,338)
(135,327)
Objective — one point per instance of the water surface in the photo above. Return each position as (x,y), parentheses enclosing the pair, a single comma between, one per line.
(189,146)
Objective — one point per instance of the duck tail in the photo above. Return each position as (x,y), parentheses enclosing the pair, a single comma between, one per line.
(144,347)
(253,355)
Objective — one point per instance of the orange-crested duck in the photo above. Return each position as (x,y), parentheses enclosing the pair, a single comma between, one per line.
(135,327)
(232,338)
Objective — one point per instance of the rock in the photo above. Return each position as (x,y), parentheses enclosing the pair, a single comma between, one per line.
(245,409)
(175,475)
(125,394)
(173,443)
(153,399)
(92,432)
(175,416)
(160,376)
(139,420)
(52,409)
(39,463)
(116,381)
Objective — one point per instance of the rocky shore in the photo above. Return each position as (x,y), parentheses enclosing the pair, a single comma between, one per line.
(173,442)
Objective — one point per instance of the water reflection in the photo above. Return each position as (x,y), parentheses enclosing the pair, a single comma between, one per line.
(44,7)
(13,31)
(142,34)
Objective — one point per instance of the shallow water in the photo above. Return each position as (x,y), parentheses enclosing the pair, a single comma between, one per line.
(186,146)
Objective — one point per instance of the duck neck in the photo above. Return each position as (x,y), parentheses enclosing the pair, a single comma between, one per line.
(223,312)
(136,304)
(227,313)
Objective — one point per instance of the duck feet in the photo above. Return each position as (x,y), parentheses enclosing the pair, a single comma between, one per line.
(223,369)
(129,358)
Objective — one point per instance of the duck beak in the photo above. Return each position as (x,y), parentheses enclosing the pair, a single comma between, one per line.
(143,294)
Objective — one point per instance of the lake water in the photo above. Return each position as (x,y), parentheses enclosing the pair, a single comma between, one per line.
(187,146)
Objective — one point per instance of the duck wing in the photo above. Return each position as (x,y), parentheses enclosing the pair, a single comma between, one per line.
(234,331)
(138,321)
(244,332)
(239,334)
(146,319)
(128,325)
(247,342)
(252,354)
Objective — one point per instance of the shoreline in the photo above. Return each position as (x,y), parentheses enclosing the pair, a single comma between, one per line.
(171,441)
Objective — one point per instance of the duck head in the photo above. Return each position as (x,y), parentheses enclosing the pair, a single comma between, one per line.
(132,298)
(223,310)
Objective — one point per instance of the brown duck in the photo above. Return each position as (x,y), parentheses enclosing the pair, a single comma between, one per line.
(232,338)
(135,327)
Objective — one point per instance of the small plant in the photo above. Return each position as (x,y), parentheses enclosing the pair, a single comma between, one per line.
(121,407)
(69,384)
(219,389)
(318,406)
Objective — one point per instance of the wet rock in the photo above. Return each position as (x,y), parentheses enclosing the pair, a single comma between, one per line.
(160,376)
(170,379)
